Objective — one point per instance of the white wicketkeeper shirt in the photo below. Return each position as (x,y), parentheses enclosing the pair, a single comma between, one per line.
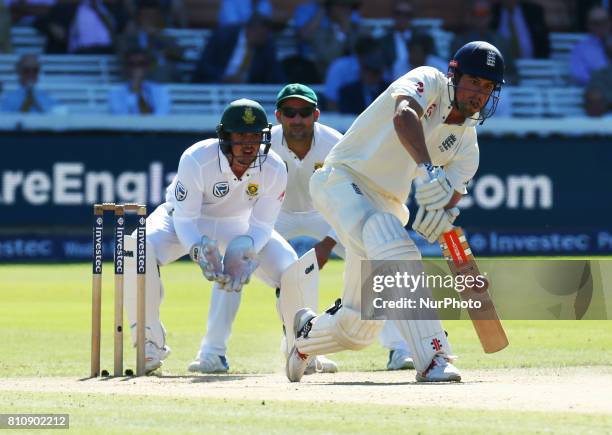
(373,151)
(299,171)
(206,187)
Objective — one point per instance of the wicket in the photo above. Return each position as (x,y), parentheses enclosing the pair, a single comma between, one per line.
(98,230)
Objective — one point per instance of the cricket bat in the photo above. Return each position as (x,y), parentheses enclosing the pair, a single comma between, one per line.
(461,261)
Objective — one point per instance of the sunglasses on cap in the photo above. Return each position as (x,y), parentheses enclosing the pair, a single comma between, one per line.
(290,112)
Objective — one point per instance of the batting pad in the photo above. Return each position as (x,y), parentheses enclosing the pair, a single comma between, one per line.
(299,289)
(337,330)
(386,239)
(154,292)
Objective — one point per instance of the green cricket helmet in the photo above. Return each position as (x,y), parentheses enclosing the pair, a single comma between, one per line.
(245,116)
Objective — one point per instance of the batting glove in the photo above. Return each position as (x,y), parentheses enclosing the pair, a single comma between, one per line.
(432,224)
(436,191)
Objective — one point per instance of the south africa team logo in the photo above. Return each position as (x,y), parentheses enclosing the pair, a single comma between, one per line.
(221,189)
(248,117)
(318,165)
(180,192)
(252,189)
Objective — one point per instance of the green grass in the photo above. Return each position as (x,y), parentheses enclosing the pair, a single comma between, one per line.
(91,414)
(45,314)
(45,328)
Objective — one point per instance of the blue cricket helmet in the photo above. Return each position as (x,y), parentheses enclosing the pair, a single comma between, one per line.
(480,59)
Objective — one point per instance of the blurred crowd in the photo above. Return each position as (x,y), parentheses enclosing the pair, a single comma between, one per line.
(332,46)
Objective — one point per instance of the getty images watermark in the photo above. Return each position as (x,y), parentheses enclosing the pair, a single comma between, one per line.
(515,289)
(400,282)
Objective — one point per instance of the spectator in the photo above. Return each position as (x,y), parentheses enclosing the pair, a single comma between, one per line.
(94,27)
(27,98)
(395,42)
(590,54)
(478,19)
(345,70)
(421,52)
(25,12)
(339,36)
(55,25)
(600,85)
(138,95)
(523,24)
(240,54)
(239,12)
(5,29)
(174,13)
(356,96)
(147,34)
(311,16)
(595,104)
(308,19)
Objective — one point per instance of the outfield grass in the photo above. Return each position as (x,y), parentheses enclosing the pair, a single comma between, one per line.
(140,414)
(45,314)
(45,327)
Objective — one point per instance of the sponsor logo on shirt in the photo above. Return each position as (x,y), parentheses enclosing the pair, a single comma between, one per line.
(356,189)
(180,192)
(221,189)
(281,197)
(430,110)
(448,143)
(252,189)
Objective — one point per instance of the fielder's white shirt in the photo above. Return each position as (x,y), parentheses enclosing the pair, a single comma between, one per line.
(205,186)
(299,171)
(372,150)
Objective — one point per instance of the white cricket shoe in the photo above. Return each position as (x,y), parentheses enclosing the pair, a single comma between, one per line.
(400,359)
(440,370)
(296,361)
(321,364)
(155,356)
(209,363)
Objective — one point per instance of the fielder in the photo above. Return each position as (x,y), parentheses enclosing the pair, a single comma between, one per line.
(422,125)
(224,199)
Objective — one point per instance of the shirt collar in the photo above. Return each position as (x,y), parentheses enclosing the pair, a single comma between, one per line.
(224,165)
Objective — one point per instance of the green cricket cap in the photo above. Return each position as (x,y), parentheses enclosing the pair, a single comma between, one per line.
(296,90)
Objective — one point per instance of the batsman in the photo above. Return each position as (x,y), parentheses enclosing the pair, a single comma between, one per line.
(422,127)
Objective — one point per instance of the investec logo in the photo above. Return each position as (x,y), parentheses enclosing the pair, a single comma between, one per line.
(119,245)
(141,251)
(513,191)
(98,246)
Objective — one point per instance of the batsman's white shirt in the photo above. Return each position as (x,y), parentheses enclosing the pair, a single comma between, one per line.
(372,150)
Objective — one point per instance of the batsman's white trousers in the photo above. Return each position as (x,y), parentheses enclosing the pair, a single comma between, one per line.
(276,256)
(347,201)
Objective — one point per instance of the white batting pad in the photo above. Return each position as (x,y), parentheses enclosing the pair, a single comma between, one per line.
(334,331)
(299,289)
(386,239)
